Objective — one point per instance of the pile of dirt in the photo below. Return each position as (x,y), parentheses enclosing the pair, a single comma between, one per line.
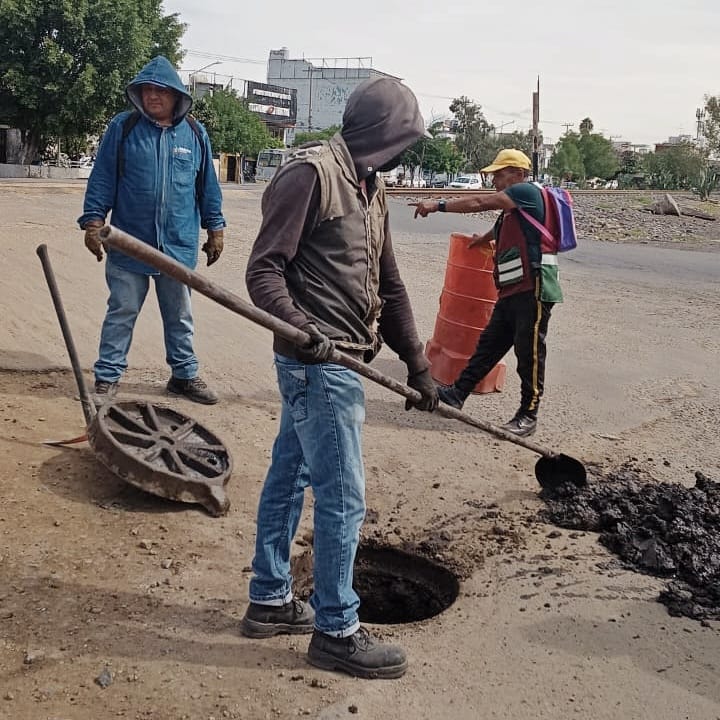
(662,529)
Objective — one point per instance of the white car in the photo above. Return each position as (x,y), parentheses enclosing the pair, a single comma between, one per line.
(466,183)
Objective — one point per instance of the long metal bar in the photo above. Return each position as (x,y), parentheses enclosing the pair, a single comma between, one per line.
(88,407)
(126,243)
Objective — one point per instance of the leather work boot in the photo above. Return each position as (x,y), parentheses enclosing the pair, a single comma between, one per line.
(194,389)
(264,621)
(104,392)
(359,655)
(521,425)
(451,396)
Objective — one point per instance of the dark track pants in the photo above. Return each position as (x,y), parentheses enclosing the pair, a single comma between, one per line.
(519,321)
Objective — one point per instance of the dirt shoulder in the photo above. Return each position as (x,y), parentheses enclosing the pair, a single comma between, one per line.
(95,574)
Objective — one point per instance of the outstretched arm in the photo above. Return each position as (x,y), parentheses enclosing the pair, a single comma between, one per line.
(467,204)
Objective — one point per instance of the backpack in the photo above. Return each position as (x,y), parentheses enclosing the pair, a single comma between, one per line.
(132,120)
(559,216)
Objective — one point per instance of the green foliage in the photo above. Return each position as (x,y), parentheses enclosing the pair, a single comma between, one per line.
(232,127)
(706,182)
(677,167)
(566,162)
(472,130)
(441,156)
(584,154)
(711,125)
(305,137)
(598,156)
(64,64)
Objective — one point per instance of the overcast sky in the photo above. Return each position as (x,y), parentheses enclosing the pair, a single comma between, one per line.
(638,68)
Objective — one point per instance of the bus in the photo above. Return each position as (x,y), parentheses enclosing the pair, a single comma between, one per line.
(268,161)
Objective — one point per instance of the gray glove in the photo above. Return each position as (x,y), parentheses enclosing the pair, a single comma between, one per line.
(320,348)
(423,383)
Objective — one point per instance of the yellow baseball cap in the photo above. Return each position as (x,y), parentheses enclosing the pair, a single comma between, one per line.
(509,158)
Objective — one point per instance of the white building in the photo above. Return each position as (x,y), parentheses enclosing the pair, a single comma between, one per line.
(323,86)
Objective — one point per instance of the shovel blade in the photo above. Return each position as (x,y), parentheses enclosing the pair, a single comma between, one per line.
(552,471)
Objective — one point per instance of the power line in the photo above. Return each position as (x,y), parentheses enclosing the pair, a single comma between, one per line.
(225,58)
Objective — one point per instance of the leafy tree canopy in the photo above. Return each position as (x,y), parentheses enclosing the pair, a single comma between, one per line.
(64,64)
(712,123)
(232,127)
(305,137)
(472,130)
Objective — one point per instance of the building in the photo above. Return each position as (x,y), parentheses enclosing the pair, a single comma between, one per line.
(322,86)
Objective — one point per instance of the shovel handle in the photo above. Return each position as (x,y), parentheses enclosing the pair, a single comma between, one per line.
(87,406)
(126,243)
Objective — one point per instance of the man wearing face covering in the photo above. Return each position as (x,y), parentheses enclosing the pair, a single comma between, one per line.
(323,261)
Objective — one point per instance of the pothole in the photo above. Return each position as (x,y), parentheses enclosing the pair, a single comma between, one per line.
(397,587)
(394,586)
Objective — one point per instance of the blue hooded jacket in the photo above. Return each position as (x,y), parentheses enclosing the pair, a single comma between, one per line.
(153,197)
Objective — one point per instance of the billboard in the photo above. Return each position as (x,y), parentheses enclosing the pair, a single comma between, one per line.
(275,105)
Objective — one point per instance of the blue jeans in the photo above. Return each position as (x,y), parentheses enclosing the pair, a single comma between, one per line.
(319,444)
(127,295)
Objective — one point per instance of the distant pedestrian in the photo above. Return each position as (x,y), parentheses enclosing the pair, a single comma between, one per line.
(154,173)
(324,261)
(527,280)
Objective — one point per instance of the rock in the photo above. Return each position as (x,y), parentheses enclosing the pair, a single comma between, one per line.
(105,678)
(665,206)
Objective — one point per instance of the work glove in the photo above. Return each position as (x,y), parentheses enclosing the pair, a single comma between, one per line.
(423,383)
(320,348)
(92,238)
(214,245)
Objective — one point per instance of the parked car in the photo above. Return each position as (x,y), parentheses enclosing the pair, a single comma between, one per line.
(466,182)
(439,181)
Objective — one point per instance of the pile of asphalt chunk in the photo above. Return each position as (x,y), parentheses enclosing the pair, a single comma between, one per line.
(662,529)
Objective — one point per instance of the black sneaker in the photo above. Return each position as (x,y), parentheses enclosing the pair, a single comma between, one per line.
(264,621)
(521,425)
(359,655)
(194,389)
(104,391)
(451,396)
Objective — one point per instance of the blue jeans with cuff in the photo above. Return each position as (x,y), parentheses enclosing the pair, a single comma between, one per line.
(128,291)
(319,444)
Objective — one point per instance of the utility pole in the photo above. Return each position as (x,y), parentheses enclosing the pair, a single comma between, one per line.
(567,126)
(700,115)
(535,134)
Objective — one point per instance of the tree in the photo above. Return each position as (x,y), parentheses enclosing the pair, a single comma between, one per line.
(64,65)
(586,126)
(305,137)
(471,129)
(232,127)
(598,155)
(676,167)
(711,124)
(566,162)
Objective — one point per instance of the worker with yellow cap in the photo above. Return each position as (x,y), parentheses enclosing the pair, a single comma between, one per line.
(526,278)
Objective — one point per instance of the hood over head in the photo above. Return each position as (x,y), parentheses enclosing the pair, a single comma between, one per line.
(381,120)
(160,72)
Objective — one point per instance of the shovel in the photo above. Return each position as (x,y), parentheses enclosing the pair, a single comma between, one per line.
(551,470)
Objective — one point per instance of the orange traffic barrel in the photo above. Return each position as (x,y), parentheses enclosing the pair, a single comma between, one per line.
(466,303)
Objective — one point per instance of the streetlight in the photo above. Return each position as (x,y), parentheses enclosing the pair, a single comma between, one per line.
(205,67)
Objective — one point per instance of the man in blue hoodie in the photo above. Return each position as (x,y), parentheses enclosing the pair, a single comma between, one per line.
(154,173)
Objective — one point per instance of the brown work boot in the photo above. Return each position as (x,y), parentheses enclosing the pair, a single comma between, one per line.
(194,389)
(358,654)
(264,621)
